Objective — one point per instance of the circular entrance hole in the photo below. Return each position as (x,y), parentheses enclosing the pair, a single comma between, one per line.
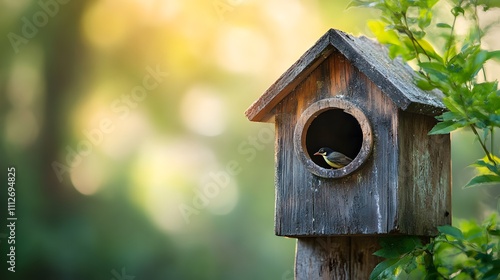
(337,124)
(336,130)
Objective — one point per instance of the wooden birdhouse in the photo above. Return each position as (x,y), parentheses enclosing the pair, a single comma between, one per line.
(345,93)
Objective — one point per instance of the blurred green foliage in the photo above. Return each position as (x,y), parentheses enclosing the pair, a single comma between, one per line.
(74,90)
(467,252)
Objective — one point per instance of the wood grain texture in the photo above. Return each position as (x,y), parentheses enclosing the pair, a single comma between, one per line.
(341,257)
(424,176)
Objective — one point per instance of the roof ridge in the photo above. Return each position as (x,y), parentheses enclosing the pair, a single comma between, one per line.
(374,63)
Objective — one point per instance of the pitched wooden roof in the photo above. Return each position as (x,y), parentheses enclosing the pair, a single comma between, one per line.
(393,77)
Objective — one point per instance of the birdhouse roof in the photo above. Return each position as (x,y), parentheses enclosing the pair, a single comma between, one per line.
(394,77)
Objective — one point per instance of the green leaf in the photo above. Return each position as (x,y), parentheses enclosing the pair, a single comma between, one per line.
(383,35)
(494,55)
(424,84)
(395,246)
(418,34)
(479,164)
(452,231)
(493,273)
(445,127)
(375,4)
(386,266)
(453,106)
(357,3)
(451,116)
(387,253)
(483,179)
(424,18)
(478,62)
(410,266)
(429,50)
(434,69)
(494,232)
(456,11)
(443,25)
(495,119)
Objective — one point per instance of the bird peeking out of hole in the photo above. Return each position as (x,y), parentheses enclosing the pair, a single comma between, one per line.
(334,159)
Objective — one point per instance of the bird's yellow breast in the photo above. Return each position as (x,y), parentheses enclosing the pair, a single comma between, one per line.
(333,164)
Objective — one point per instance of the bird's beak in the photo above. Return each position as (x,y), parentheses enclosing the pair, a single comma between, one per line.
(317,154)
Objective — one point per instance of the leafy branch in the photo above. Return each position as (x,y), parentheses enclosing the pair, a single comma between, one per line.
(407,29)
(471,252)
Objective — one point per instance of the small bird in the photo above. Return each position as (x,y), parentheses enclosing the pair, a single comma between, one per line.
(333,158)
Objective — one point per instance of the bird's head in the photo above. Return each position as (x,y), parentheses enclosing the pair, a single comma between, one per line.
(323,151)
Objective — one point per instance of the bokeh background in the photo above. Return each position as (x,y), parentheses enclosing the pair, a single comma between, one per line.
(124,121)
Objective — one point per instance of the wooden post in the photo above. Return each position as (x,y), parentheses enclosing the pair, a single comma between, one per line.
(346,94)
(342,257)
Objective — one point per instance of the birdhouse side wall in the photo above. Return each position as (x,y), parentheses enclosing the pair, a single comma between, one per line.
(424,176)
(363,202)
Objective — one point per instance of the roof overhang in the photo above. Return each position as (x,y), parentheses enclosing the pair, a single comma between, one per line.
(393,77)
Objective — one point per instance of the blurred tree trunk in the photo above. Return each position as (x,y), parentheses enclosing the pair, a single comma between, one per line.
(64,53)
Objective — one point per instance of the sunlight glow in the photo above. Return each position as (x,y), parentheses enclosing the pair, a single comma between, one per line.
(87,177)
(242,50)
(163,176)
(203,111)
(107,23)
(112,125)
(286,13)
(223,195)
(160,10)
(21,128)
(25,83)
(98,105)
(25,87)
(127,135)
(169,174)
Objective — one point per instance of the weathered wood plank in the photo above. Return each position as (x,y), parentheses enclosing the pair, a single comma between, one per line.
(362,260)
(341,257)
(424,175)
(322,258)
